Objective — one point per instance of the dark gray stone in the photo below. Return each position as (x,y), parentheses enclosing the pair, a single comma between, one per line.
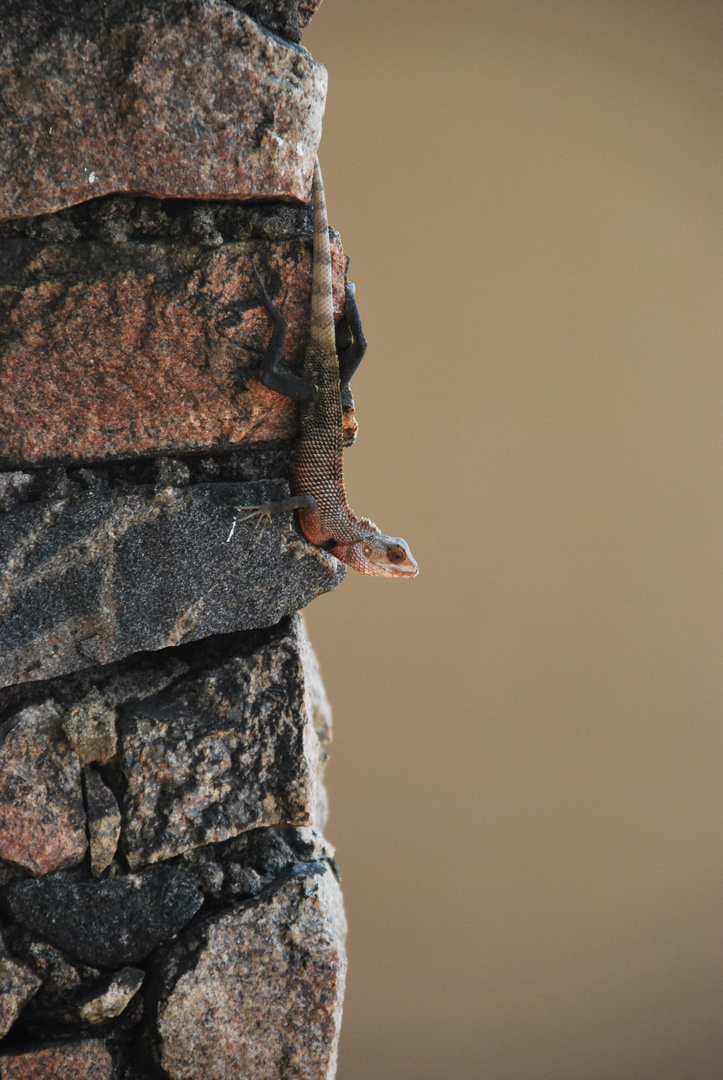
(62,981)
(85,1012)
(110,924)
(93,577)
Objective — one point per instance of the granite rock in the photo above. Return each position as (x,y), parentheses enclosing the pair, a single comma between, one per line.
(18,984)
(90,729)
(230,747)
(95,576)
(109,924)
(42,820)
(320,709)
(84,1059)
(104,821)
(190,99)
(257,991)
(153,336)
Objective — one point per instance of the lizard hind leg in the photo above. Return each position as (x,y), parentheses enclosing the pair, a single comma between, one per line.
(274,374)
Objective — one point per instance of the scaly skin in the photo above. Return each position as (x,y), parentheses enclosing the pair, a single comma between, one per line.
(326,518)
(319,495)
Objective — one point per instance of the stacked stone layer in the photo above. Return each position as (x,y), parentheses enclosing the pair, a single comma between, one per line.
(168,905)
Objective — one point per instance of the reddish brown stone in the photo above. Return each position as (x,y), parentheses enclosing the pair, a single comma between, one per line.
(153,347)
(42,820)
(191,101)
(83,1060)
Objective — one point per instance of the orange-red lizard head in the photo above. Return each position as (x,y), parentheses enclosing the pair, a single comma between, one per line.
(378,555)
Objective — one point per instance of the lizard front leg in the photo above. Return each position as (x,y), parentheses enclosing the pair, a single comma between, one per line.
(273,374)
(351,353)
(351,346)
(305,503)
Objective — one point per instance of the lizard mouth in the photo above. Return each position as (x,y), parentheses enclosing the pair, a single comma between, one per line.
(406,571)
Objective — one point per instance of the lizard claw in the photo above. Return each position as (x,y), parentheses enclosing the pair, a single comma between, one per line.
(259,512)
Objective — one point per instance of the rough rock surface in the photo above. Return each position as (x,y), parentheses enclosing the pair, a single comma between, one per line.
(110,924)
(257,991)
(190,100)
(17,985)
(97,575)
(104,821)
(147,314)
(62,980)
(285,17)
(230,747)
(103,1002)
(86,1059)
(42,820)
(90,729)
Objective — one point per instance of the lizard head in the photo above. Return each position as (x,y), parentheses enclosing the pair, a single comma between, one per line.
(379,556)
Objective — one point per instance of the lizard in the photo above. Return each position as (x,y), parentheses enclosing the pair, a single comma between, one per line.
(319,495)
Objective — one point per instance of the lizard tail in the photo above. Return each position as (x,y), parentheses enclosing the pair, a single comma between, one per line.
(322,306)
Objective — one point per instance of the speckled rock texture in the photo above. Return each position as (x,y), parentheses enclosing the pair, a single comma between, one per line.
(169,907)
(87,1059)
(173,98)
(107,924)
(148,316)
(208,754)
(18,984)
(42,820)
(99,572)
(229,747)
(104,821)
(256,992)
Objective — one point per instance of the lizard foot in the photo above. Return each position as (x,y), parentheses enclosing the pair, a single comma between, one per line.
(294,502)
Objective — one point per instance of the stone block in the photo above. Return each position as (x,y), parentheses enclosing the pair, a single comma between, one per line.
(42,819)
(229,747)
(257,991)
(179,100)
(110,924)
(84,1059)
(97,575)
(154,333)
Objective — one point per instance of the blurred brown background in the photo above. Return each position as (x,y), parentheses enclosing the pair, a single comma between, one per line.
(527,778)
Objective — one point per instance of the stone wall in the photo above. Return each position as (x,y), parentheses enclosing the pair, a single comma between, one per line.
(168,904)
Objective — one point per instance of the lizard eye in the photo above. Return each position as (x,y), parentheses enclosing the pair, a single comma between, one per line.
(396,553)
